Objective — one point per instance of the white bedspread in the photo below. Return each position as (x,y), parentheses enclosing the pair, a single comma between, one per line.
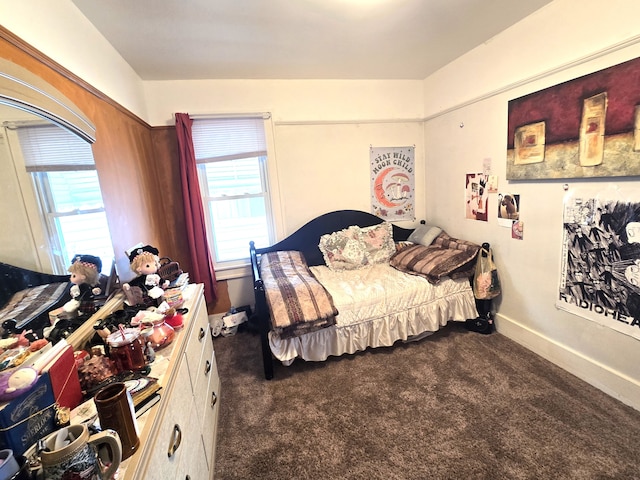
(378,306)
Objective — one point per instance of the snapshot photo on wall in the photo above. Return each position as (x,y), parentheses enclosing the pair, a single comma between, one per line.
(508,208)
(476,196)
(583,128)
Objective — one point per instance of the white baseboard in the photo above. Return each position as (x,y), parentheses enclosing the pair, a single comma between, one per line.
(612,382)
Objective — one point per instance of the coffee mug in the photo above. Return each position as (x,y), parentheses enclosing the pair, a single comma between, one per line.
(115,411)
(79,458)
(8,464)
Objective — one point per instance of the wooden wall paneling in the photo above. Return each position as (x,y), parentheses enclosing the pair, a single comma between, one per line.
(171,220)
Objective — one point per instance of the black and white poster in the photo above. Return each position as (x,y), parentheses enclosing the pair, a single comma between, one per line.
(600,270)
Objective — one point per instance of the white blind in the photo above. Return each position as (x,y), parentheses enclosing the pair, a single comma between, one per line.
(48,148)
(228,138)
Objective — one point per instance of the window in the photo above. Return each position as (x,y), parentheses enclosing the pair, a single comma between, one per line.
(64,175)
(231,154)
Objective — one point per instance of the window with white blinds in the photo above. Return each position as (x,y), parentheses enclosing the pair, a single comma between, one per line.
(48,148)
(231,154)
(68,192)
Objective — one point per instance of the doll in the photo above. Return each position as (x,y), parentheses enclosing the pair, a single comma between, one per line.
(145,262)
(85,276)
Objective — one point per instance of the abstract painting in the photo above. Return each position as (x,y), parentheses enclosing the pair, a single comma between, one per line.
(584,128)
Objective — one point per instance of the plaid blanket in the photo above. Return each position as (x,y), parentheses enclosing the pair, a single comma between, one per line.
(298,302)
(28,304)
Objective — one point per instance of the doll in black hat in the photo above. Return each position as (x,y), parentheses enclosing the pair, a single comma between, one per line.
(145,262)
(85,276)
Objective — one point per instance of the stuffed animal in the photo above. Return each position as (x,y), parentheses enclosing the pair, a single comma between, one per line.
(85,276)
(17,382)
(145,262)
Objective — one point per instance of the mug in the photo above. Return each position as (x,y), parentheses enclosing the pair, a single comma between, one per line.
(79,459)
(115,411)
(9,465)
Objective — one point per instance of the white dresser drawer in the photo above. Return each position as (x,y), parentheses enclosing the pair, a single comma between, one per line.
(172,429)
(210,407)
(193,461)
(206,369)
(198,336)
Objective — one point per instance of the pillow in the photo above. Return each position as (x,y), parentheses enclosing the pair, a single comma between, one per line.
(434,263)
(343,250)
(403,244)
(378,243)
(424,234)
(452,258)
(445,241)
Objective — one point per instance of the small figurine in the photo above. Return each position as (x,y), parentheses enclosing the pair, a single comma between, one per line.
(145,262)
(85,276)
(150,353)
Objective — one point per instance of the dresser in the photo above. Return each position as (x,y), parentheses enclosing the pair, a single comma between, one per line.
(178,434)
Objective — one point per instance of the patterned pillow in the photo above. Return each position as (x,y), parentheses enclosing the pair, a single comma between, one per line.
(343,250)
(445,257)
(378,241)
(403,244)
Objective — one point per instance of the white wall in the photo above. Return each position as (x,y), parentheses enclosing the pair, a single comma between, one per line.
(564,40)
(321,133)
(60,31)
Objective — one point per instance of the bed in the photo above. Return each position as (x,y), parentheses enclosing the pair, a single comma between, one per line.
(371,306)
(27,296)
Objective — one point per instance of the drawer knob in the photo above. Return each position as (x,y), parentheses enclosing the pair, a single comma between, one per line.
(207,367)
(214,399)
(201,334)
(176,440)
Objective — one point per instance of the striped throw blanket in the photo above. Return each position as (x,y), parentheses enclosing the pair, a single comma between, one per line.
(445,257)
(298,302)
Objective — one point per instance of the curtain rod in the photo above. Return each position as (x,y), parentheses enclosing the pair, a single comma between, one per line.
(263,115)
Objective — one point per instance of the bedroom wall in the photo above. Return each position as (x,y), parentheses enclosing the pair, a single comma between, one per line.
(320,132)
(562,41)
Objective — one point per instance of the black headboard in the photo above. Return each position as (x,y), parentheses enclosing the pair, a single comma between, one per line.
(307,237)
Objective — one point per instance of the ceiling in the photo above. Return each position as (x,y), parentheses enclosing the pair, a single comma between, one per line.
(298,39)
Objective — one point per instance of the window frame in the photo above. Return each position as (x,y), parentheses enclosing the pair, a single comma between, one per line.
(238,267)
(36,185)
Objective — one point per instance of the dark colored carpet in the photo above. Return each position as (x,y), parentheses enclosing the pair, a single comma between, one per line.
(456,405)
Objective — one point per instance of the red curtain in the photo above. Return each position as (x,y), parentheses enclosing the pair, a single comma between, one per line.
(201,262)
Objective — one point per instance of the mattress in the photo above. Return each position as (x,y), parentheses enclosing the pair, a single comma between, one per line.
(378,306)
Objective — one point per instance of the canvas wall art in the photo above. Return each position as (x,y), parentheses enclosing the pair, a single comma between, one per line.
(584,128)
